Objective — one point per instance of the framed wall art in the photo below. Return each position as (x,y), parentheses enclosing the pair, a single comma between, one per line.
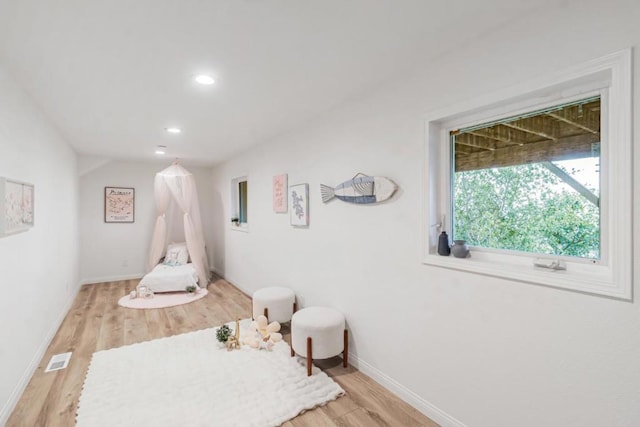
(280,193)
(17,206)
(299,201)
(119,204)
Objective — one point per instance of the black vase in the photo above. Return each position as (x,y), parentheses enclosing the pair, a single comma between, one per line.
(443,244)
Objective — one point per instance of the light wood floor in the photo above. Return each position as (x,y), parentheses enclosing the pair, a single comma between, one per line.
(95,322)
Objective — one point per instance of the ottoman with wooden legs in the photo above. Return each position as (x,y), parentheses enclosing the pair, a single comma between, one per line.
(319,333)
(276,303)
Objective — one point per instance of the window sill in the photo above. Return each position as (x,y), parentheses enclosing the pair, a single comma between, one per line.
(521,269)
(244,228)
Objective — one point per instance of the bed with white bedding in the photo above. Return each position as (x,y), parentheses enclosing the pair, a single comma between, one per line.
(170,278)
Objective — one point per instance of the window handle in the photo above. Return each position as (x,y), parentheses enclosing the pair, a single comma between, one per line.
(550,264)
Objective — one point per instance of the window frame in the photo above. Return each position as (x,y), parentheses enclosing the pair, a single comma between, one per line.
(235,204)
(611,275)
(603,211)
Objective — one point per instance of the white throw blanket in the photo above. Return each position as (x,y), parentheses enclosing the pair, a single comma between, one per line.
(190,379)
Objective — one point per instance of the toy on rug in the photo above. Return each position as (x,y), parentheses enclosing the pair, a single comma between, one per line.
(261,335)
(234,341)
(143,292)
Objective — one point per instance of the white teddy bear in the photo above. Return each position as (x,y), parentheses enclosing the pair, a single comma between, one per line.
(261,334)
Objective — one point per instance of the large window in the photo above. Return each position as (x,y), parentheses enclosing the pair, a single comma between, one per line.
(537,179)
(530,183)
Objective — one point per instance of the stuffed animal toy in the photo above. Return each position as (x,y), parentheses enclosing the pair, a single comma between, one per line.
(261,335)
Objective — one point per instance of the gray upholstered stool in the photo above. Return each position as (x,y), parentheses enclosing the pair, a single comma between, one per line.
(319,333)
(276,303)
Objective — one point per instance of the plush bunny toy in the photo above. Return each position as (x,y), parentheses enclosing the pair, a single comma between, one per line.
(261,335)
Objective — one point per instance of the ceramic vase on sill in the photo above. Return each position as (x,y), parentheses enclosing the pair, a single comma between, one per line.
(460,249)
(443,244)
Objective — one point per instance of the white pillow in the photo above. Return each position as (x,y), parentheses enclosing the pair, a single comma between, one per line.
(177,254)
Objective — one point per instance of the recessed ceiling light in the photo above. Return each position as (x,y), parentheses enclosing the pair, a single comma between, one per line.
(173,130)
(160,149)
(203,79)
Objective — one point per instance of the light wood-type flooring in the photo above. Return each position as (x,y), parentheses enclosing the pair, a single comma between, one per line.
(96,322)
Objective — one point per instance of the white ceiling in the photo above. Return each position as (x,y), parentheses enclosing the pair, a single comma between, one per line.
(112,74)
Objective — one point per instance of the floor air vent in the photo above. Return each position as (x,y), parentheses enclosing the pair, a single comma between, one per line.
(58,361)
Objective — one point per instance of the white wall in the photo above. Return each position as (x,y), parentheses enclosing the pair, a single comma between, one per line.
(38,268)
(485,351)
(119,251)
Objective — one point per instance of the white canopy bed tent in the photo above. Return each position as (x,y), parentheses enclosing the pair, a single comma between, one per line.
(177,226)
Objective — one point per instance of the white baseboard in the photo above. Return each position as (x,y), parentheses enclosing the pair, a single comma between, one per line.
(242,289)
(10,405)
(111,278)
(428,409)
(217,271)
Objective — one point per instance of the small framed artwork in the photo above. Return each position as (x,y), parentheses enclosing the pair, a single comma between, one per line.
(16,206)
(119,204)
(299,201)
(280,193)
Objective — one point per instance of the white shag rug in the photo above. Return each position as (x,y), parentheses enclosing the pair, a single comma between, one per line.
(190,379)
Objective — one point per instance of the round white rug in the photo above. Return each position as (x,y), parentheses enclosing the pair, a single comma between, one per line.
(168,299)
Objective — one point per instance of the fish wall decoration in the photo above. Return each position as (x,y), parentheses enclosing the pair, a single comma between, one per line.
(361,189)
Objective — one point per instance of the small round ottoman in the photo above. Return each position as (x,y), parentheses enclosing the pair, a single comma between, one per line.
(276,303)
(319,333)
